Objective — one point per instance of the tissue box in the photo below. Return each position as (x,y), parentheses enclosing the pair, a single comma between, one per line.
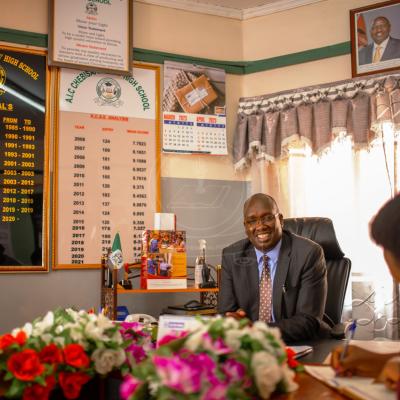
(196,95)
(164,222)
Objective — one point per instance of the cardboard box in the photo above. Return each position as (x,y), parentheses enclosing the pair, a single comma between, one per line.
(196,95)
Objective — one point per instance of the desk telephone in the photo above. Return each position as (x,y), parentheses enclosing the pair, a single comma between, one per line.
(192,305)
(143,318)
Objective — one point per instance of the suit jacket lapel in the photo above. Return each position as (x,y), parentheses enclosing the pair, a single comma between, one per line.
(250,270)
(280,276)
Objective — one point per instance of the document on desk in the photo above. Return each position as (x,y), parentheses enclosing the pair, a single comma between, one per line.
(378,346)
(301,351)
(356,388)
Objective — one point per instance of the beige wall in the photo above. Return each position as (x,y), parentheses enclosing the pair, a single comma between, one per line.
(205,36)
(24,297)
(303,28)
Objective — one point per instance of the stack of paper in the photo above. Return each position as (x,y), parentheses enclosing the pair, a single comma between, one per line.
(355,387)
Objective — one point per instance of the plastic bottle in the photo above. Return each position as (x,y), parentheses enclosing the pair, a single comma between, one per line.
(198,267)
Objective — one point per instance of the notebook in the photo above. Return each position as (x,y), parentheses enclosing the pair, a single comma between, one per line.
(356,388)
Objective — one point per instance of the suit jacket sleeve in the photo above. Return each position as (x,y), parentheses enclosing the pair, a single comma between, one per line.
(303,306)
(226,297)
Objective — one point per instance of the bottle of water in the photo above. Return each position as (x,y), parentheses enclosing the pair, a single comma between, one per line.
(200,260)
(198,267)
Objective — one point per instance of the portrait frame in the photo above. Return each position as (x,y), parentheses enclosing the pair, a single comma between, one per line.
(362,43)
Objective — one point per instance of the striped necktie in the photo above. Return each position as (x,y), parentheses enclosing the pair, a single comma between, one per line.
(377,54)
(265,310)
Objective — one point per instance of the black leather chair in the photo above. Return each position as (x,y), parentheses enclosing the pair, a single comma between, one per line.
(321,230)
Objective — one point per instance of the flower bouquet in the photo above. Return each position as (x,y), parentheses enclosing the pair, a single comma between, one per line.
(222,359)
(64,349)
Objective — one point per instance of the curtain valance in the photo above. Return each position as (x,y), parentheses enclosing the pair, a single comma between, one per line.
(315,115)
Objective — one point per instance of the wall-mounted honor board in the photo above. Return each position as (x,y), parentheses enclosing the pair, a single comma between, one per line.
(23,160)
(107,167)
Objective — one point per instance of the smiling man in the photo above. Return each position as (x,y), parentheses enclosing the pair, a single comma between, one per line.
(273,275)
(384,47)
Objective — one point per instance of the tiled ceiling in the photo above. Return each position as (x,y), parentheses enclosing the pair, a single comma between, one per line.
(238,9)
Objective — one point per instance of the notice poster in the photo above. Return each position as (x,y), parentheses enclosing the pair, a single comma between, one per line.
(194,111)
(23,160)
(85,33)
(107,165)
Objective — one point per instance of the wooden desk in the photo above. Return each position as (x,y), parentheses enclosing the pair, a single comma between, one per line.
(310,388)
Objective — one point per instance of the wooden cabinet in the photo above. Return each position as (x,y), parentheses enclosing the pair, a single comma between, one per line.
(109,295)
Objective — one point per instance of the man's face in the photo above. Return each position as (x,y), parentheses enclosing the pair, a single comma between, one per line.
(380,30)
(263,224)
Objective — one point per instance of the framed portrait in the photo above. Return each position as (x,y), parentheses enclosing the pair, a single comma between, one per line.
(83,35)
(375,38)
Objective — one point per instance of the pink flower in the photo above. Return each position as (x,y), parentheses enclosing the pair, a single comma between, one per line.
(137,352)
(217,346)
(129,386)
(133,330)
(234,370)
(186,373)
(216,392)
(170,337)
(178,374)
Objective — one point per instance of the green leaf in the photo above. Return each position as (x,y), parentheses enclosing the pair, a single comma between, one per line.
(8,376)
(16,389)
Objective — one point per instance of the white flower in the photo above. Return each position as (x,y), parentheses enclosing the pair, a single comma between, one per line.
(72,313)
(93,331)
(27,328)
(153,387)
(44,325)
(230,323)
(267,373)
(288,377)
(59,329)
(75,331)
(117,338)
(47,337)
(195,339)
(59,340)
(103,322)
(232,338)
(106,359)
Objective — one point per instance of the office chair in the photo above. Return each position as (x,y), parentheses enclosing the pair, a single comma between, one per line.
(321,231)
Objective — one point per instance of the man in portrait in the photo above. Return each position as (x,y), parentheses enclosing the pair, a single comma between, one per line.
(384,47)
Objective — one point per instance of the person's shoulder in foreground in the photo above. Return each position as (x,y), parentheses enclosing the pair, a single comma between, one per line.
(385,232)
(300,273)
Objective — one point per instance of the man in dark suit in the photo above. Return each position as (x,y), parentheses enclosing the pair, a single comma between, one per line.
(383,48)
(293,266)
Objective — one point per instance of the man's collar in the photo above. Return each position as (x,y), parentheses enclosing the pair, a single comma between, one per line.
(273,254)
(383,44)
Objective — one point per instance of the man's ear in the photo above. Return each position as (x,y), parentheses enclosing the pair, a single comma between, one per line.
(281,219)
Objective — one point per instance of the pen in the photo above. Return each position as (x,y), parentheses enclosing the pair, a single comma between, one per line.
(350,330)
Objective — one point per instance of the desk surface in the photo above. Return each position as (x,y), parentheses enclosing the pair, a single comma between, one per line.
(310,388)
(321,350)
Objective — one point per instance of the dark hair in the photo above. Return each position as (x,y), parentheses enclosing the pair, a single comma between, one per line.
(385,227)
(259,196)
(381,17)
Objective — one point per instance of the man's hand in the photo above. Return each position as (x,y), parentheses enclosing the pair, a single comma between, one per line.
(390,374)
(358,361)
(238,314)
